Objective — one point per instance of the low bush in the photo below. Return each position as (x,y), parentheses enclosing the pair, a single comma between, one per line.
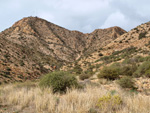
(89,70)
(142,70)
(126,82)
(142,35)
(117,69)
(147,73)
(100,54)
(77,69)
(147,44)
(118,55)
(109,73)
(128,70)
(147,58)
(109,102)
(136,59)
(59,81)
(84,76)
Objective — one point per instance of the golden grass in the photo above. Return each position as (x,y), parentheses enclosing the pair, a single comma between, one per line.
(74,101)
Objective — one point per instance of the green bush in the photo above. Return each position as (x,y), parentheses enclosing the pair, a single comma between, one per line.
(126,82)
(136,59)
(109,73)
(142,69)
(77,69)
(147,58)
(123,69)
(128,70)
(147,73)
(118,55)
(89,70)
(84,76)
(22,63)
(142,35)
(59,81)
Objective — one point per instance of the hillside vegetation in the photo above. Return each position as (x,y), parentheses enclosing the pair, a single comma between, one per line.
(45,68)
(34,46)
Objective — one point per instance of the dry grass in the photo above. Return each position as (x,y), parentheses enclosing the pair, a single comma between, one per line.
(74,101)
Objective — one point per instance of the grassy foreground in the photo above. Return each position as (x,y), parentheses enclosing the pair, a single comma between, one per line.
(28,97)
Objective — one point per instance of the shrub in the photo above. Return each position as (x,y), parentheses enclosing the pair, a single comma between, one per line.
(118,55)
(116,52)
(147,73)
(127,52)
(84,76)
(125,69)
(89,71)
(92,110)
(105,58)
(126,82)
(126,61)
(77,69)
(8,69)
(100,54)
(59,81)
(120,41)
(142,35)
(128,70)
(147,58)
(136,59)
(22,63)
(142,69)
(109,102)
(147,44)
(110,73)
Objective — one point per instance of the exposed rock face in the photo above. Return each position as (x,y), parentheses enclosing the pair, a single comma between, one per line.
(101,37)
(33,46)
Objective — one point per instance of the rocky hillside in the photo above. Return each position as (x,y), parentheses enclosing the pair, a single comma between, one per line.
(33,46)
(131,44)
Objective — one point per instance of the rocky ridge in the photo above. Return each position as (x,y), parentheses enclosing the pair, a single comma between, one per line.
(136,41)
(34,46)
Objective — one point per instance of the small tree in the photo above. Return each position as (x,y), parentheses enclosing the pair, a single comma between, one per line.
(110,73)
(59,81)
(126,82)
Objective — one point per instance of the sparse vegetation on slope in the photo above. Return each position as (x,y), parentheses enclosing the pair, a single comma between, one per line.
(33,46)
(36,46)
(143,69)
(137,66)
(118,55)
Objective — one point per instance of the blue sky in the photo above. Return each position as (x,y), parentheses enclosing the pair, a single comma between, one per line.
(81,15)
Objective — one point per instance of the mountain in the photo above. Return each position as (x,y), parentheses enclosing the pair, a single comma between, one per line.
(134,43)
(34,46)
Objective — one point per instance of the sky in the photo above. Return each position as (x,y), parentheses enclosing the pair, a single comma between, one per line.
(81,15)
